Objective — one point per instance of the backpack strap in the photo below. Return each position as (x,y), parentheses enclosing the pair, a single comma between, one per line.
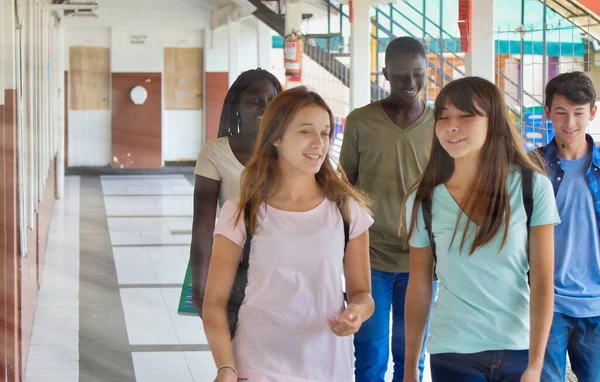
(527,179)
(346,232)
(246,252)
(427,218)
(527,186)
(346,240)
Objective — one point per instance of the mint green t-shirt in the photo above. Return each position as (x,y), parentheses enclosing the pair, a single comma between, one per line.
(483,299)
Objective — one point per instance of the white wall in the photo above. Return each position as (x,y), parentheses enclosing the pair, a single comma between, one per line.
(129,57)
(182,129)
(90,133)
(164,23)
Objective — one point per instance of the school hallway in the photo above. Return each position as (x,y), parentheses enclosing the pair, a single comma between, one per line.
(118,249)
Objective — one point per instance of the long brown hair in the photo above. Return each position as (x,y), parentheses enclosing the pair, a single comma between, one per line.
(487,196)
(261,178)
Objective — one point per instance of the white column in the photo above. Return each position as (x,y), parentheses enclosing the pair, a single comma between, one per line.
(263,35)
(480,60)
(59,59)
(360,55)
(293,22)
(235,55)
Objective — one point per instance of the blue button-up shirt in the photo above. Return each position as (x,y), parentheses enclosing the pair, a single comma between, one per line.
(556,173)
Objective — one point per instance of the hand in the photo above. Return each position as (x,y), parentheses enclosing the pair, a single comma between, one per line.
(226,375)
(411,377)
(346,324)
(532,375)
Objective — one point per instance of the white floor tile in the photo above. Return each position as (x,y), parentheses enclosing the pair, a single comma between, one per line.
(147,317)
(179,224)
(150,329)
(143,300)
(170,273)
(201,366)
(183,190)
(189,328)
(159,367)
(53,352)
(157,238)
(166,254)
(126,238)
(133,266)
(52,364)
(52,375)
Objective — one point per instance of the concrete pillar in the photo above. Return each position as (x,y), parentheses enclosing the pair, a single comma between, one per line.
(480,61)
(293,23)
(263,35)
(360,55)
(235,54)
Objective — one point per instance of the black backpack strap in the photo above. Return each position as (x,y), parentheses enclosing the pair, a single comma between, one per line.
(346,232)
(246,253)
(527,179)
(427,218)
(346,240)
(527,186)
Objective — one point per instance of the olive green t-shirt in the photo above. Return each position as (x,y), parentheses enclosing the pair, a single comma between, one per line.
(385,161)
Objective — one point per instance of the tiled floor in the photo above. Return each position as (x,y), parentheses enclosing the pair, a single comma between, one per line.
(146,222)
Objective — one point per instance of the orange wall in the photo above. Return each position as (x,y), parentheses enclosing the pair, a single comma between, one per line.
(592,5)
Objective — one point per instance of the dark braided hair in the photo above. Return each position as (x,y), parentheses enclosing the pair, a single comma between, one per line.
(230,122)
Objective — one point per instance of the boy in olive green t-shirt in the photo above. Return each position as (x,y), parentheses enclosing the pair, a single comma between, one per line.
(386,147)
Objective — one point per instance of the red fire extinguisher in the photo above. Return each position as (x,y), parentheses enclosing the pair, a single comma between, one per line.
(292,57)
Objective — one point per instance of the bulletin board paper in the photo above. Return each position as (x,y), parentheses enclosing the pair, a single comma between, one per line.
(89,78)
(183,78)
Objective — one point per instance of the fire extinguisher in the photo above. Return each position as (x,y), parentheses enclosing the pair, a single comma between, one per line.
(292,57)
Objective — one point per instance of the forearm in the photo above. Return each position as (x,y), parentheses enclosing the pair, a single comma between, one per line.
(542,311)
(416,312)
(363,301)
(200,253)
(216,327)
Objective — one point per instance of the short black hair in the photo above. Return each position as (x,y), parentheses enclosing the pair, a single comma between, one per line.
(402,46)
(576,86)
(230,122)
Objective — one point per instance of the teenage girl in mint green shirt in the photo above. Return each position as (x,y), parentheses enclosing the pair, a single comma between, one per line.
(490,320)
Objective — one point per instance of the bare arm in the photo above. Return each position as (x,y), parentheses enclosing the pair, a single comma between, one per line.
(206,194)
(541,260)
(349,155)
(416,308)
(224,263)
(357,272)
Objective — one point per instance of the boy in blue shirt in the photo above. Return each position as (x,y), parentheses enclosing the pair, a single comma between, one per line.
(572,161)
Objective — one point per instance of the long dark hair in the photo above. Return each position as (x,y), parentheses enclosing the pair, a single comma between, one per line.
(487,196)
(230,122)
(261,178)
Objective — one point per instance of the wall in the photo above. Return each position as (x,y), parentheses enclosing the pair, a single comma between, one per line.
(172,23)
(89,133)
(182,129)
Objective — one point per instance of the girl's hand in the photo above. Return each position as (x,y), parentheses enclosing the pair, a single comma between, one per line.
(346,324)
(531,375)
(226,375)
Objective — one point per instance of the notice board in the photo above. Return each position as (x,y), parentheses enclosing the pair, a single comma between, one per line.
(89,78)
(183,78)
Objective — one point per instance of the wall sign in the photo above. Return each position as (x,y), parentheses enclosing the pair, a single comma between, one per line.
(137,39)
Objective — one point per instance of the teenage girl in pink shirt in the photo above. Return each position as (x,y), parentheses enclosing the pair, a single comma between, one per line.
(293,324)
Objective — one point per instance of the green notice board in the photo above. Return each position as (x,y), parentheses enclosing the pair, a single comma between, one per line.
(185,300)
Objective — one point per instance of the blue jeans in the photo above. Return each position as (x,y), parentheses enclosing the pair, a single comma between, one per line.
(372,342)
(580,337)
(487,366)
